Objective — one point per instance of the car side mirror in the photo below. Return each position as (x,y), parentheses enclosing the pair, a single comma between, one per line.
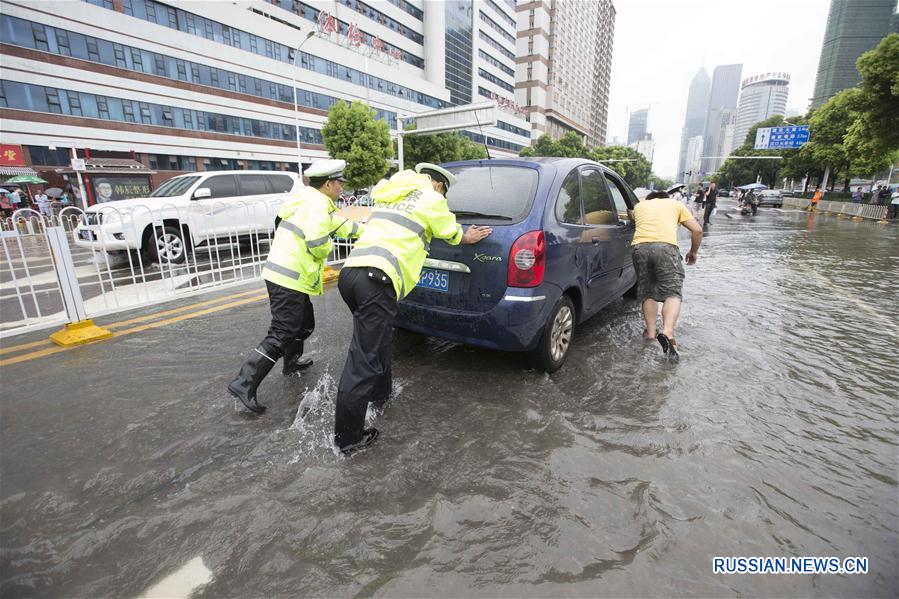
(202,192)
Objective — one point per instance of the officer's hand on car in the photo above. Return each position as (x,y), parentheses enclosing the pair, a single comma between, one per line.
(475,233)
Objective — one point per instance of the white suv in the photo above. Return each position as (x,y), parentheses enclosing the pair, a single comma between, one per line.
(194,210)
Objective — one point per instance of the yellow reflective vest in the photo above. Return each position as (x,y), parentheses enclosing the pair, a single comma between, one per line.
(303,241)
(406,214)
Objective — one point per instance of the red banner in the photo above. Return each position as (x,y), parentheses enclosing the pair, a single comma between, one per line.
(11,155)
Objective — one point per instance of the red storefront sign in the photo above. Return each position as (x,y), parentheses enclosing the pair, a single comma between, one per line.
(11,155)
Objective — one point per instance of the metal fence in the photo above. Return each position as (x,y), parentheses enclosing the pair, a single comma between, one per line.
(128,257)
(848,209)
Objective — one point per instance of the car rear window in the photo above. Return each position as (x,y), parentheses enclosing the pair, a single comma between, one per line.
(503,192)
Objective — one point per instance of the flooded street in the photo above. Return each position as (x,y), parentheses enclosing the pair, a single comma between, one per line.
(621,475)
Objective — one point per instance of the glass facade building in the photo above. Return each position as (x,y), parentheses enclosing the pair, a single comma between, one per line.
(459,50)
(853,28)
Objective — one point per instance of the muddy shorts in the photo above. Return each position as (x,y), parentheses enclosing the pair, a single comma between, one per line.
(660,271)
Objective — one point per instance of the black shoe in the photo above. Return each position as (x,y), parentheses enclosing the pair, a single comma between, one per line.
(369,436)
(253,370)
(294,361)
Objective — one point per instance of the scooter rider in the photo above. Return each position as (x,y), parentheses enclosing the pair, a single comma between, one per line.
(292,273)
(408,210)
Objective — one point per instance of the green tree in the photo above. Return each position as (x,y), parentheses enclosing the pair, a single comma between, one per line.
(660,183)
(627,162)
(876,132)
(353,134)
(570,145)
(439,148)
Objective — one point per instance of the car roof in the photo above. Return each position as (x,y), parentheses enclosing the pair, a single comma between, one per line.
(236,172)
(543,163)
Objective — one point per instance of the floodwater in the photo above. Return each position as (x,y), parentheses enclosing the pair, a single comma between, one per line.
(127,471)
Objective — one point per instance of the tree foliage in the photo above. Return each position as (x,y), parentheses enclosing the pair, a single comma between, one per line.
(627,162)
(878,125)
(569,145)
(440,148)
(657,182)
(353,134)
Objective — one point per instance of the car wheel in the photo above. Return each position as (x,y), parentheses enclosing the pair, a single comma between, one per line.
(552,349)
(167,245)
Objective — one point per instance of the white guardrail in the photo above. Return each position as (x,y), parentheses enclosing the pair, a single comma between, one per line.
(848,209)
(73,265)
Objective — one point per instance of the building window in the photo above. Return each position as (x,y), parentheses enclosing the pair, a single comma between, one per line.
(145,116)
(93,52)
(53,101)
(102,108)
(62,42)
(74,103)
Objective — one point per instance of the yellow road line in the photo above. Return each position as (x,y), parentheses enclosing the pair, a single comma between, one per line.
(151,325)
(24,346)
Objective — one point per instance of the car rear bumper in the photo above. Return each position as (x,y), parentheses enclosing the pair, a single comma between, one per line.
(515,323)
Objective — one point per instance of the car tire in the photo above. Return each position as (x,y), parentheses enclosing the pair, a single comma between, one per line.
(555,342)
(166,246)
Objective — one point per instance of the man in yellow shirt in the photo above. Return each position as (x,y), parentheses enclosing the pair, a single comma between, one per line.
(659,266)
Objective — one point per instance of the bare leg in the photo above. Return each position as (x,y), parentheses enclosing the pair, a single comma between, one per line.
(670,312)
(650,313)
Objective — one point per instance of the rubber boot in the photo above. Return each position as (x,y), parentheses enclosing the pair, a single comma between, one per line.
(294,361)
(254,369)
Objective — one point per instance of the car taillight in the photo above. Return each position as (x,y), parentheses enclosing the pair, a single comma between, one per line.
(527,260)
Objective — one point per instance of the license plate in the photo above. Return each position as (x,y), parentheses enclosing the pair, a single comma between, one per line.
(87,235)
(437,280)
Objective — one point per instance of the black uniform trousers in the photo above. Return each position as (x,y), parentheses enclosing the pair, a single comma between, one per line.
(707,215)
(292,319)
(370,296)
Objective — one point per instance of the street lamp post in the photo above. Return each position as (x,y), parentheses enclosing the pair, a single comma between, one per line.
(296,106)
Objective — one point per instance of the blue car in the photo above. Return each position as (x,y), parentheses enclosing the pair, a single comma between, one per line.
(559,253)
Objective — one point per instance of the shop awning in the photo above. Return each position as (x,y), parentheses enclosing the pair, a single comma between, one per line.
(12,171)
(110,166)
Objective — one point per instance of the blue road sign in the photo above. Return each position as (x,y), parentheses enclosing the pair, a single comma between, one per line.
(781,138)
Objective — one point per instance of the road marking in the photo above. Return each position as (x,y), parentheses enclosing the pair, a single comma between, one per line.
(121,323)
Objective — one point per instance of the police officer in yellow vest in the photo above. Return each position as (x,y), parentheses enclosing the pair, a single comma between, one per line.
(408,211)
(292,273)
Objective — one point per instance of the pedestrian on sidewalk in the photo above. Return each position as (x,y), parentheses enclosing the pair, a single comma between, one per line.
(410,209)
(711,202)
(659,266)
(894,205)
(43,203)
(857,196)
(16,200)
(293,272)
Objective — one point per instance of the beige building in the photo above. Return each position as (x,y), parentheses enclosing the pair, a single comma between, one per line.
(564,66)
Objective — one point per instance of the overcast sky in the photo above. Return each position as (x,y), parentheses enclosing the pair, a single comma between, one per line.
(661,44)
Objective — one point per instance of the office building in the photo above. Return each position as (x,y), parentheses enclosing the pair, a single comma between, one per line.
(564,69)
(853,28)
(694,120)
(723,96)
(694,159)
(175,86)
(646,146)
(761,97)
(636,126)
